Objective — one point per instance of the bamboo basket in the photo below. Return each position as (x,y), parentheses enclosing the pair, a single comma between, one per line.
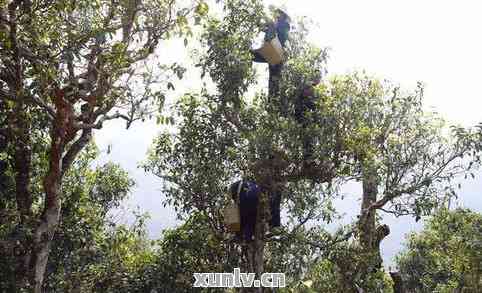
(232,218)
(272,51)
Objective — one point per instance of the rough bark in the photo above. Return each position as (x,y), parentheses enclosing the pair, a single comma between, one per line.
(367,215)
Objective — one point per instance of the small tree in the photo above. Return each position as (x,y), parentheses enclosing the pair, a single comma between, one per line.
(403,156)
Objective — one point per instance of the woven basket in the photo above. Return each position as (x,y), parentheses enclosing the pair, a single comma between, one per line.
(272,51)
(232,218)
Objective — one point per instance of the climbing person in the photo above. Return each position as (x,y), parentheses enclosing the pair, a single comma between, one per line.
(280,28)
(247,194)
(272,52)
(305,114)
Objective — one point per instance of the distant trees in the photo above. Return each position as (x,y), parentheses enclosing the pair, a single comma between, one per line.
(446,256)
(398,151)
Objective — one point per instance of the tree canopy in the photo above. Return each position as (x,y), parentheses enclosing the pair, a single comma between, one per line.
(446,255)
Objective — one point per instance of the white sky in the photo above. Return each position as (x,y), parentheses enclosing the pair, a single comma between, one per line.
(436,42)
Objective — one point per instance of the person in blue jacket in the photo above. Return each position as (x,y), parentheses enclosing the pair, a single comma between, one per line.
(247,195)
(281,28)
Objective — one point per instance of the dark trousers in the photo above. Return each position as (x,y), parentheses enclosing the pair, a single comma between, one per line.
(275,205)
(248,208)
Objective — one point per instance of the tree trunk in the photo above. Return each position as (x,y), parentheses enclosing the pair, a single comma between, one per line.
(62,133)
(254,254)
(370,236)
(274,99)
(42,240)
(44,232)
(367,215)
(20,241)
(32,261)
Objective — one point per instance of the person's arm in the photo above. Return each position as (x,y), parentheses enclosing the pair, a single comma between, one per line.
(270,31)
(266,23)
(283,29)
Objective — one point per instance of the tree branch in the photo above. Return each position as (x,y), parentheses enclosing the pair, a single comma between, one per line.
(76,147)
(100,122)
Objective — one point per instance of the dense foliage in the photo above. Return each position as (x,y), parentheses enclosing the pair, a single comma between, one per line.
(68,67)
(445,256)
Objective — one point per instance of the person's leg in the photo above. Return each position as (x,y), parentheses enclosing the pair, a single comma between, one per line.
(275,205)
(274,84)
(275,70)
(243,213)
(251,209)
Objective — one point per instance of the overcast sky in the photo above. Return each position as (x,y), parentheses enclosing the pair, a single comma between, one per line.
(436,42)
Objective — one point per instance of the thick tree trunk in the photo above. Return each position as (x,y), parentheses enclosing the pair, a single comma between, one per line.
(44,232)
(62,133)
(368,215)
(274,89)
(254,253)
(370,236)
(32,262)
(42,240)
